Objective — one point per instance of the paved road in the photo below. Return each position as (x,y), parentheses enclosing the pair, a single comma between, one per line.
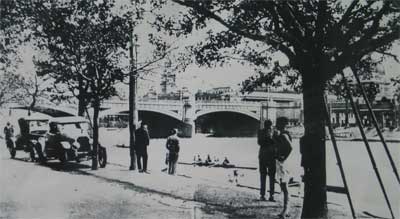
(29,190)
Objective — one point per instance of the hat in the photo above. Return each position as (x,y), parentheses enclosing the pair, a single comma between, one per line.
(267,123)
(282,121)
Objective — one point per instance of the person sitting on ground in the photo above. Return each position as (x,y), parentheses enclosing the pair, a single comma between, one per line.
(225,162)
(199,159)
(216,160)
(208,160)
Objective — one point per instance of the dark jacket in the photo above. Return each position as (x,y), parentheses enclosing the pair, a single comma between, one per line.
(142,139)
(8,132)
(268,147)
(173,144)
(284,145)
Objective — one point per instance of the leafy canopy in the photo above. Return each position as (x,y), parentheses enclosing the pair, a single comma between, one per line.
(319,38)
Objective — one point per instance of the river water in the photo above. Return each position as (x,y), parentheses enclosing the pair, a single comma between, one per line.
(363,184)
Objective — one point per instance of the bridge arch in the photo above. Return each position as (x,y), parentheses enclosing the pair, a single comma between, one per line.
(163,112)
(227,123)
(247,113)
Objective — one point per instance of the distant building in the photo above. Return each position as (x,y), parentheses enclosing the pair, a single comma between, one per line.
(385,106)
(168,80)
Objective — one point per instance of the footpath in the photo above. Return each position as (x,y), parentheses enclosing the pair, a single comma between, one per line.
(207,195)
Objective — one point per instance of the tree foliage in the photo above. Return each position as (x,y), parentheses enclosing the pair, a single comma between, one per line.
(330,34)
(11,28)
(85,42)
(9,87)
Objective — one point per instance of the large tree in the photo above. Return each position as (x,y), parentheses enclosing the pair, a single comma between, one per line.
(11,29)
(85,42)
(319,38)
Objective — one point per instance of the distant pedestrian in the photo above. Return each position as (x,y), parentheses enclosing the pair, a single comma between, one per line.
(266,158)
(8,131)
(8,134)
(284,146)
(142,140)
(173,148)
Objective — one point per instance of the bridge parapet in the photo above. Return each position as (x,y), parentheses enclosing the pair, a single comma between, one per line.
(221,105)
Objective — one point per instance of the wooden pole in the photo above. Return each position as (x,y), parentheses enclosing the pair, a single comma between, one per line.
(375,122)
(371,156)
(339,160)
(132,101)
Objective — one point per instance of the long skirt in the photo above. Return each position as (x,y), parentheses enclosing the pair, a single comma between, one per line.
(173,159)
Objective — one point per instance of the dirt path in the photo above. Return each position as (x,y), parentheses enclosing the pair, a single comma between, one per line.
(29,190)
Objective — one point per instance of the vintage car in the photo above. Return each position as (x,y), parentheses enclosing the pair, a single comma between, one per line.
(69,138)
(31,137)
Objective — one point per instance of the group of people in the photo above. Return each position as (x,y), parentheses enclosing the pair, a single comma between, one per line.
(142,141)
(275,148)
(209,162)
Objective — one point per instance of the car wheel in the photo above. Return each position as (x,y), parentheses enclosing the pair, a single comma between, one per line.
(11,148)
(102,157)
(63,156)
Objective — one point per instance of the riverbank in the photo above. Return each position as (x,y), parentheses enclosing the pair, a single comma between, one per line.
(354,134)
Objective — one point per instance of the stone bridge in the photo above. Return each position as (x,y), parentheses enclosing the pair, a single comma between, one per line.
(185,112)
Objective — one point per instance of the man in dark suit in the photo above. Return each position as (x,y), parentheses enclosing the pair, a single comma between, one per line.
(142,140)
(266,157)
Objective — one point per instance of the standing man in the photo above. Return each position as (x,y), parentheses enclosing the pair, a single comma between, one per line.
(266,158)
(142,141)
(173,148)
(284,145)
(8,132)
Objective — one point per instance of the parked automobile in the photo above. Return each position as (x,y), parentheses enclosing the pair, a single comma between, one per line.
(31,137)
(70,138)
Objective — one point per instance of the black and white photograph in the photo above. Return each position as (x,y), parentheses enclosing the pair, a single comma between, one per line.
(199,109)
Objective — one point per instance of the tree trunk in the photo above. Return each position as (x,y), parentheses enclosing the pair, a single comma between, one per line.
(32,105)
(96,109)
(346,118)
(312,147)
(81,98)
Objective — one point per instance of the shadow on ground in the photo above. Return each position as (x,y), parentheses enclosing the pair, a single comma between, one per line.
(70,167)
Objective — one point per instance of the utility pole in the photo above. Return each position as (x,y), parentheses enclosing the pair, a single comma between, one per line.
(132,100)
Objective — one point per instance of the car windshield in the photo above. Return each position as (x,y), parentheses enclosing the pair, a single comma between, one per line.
(37,125)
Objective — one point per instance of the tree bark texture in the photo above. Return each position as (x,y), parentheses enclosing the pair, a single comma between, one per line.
(312,147)
(81,98)
(96,109)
